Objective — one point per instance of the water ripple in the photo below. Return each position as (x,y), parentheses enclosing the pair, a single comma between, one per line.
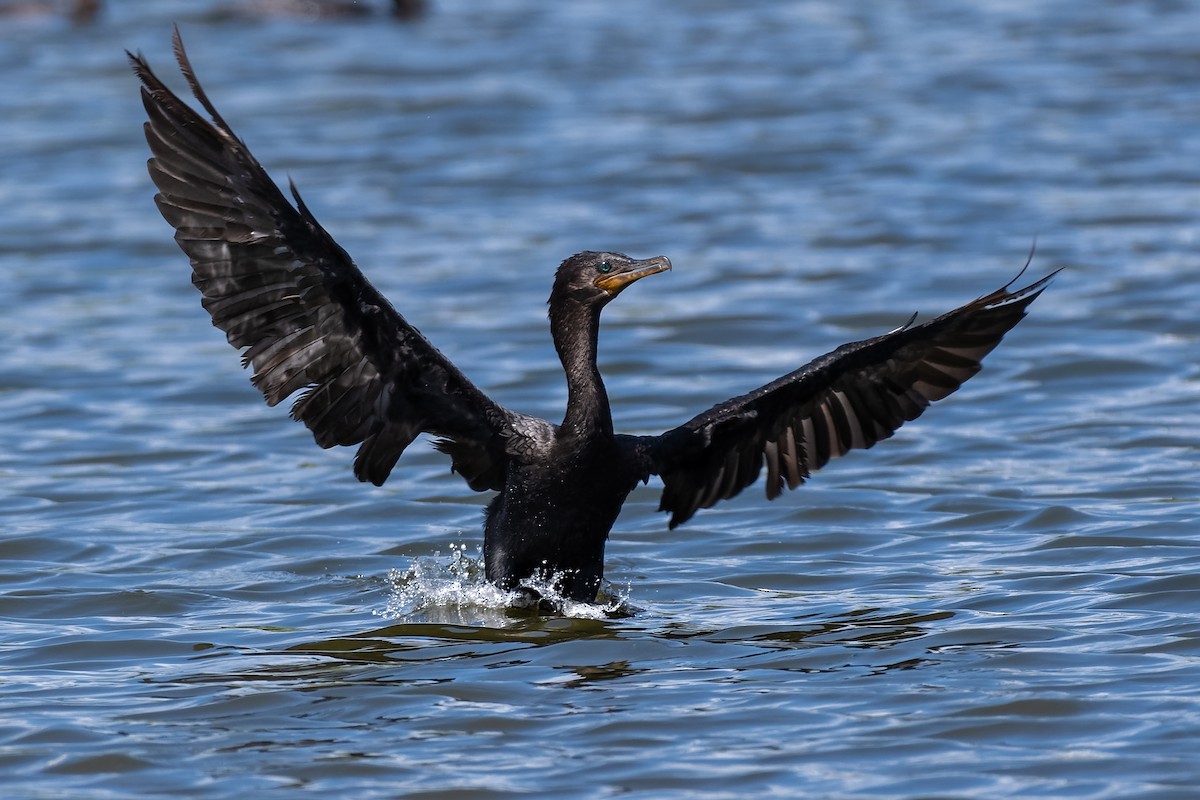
(1000,601)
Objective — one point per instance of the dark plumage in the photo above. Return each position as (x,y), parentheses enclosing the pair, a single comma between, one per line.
(284,291)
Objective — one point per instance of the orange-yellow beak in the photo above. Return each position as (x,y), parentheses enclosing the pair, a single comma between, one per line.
(636,271)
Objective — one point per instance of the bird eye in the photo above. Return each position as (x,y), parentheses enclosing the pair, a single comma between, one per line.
(605,267)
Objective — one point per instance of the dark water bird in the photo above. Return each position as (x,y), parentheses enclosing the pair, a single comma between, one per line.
(77,11)
(281,288)
(316,9)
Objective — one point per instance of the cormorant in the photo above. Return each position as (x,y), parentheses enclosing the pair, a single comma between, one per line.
(78,11)
(281,288)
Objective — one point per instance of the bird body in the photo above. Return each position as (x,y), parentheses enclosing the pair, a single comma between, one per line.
(553,518)
(309,322)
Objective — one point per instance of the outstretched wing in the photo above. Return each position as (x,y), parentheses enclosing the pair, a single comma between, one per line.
(851,398)
(310,322)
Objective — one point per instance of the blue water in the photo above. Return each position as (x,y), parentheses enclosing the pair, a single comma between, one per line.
(1001,601)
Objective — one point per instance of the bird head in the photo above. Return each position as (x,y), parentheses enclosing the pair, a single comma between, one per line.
(592,278)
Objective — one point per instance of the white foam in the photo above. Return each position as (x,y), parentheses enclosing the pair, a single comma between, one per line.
(453,590)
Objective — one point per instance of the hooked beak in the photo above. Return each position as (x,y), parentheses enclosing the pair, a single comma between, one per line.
(635,271)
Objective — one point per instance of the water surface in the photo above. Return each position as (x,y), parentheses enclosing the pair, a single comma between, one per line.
(1001,601)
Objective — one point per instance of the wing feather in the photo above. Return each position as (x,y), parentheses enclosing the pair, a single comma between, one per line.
(305,317)
(852,398)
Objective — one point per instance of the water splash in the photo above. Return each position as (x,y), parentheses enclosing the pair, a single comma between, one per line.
(453,589)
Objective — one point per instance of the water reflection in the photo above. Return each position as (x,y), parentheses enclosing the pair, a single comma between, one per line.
(439,642)
(435,642)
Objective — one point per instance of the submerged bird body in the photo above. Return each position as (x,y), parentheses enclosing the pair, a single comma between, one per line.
(308,321)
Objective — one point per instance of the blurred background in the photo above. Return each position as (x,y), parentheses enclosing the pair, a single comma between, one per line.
(1000,601)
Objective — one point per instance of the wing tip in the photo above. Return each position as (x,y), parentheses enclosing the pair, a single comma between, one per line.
(1005,295)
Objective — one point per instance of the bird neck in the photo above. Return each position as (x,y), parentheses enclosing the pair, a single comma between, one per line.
(576,329)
